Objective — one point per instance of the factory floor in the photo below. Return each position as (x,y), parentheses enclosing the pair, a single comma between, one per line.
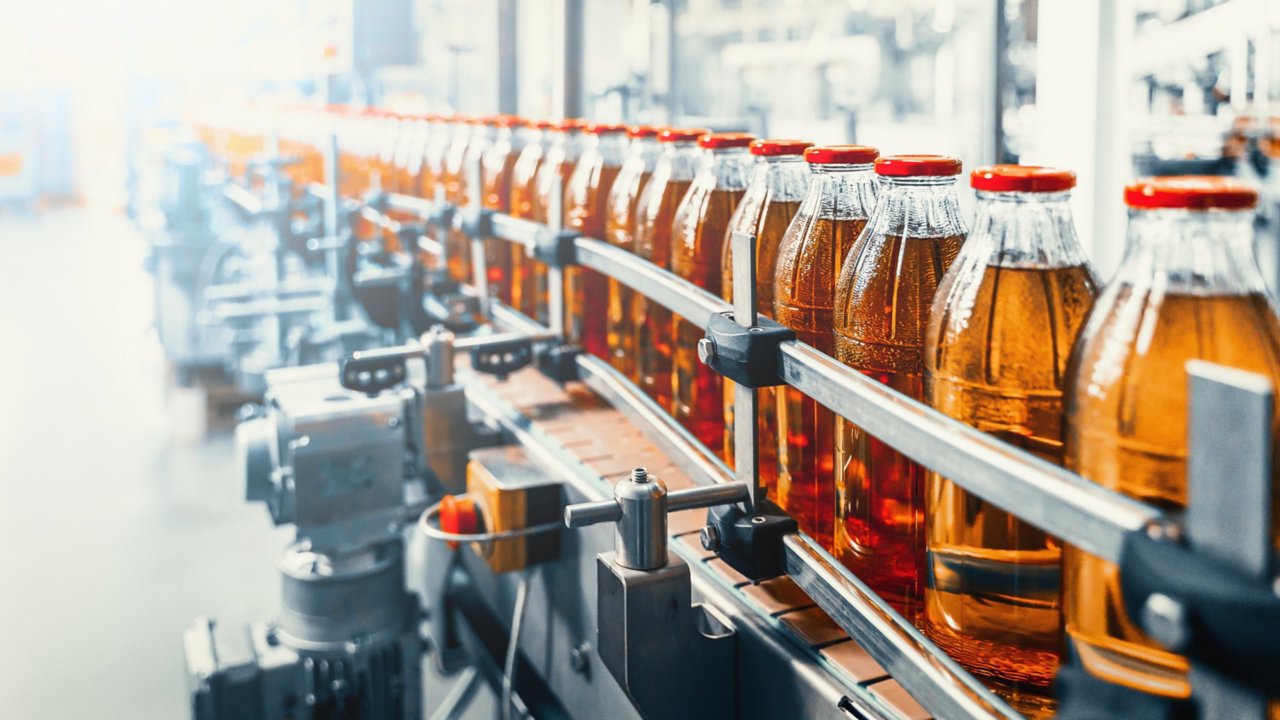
(120,522)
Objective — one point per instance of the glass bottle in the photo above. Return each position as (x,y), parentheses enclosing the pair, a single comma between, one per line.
(496,169)
(440,132)
(586,205)
(524,205)
(999,335)
(883,296)
(620,227)
(697,248)
(672,175)
(464,155)
(779,179)
(842,191)
(553,180)
(1187,288)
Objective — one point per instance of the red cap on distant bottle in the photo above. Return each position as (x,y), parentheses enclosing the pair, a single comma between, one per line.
(511,121)
(681,134)
(774,148)
(718,141)
(841,155)
(1021,178)
(605,128)
(543,124)
(918,166)
(642,131)
(570,124)
(1191,192)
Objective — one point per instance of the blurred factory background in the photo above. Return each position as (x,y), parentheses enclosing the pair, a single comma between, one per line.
(93,95)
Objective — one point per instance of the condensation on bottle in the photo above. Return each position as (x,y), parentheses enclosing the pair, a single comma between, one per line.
(883,296)
(779,179)
(697,247)
(655,211)
(586,208)
(999,336)
(1188,288)
(620,229)
(839,199)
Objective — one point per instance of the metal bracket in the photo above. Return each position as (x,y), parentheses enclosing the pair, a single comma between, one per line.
(673,658)
(559,362)
(746,355)
(749,541)
(1209,595)
(502,359)
(556,248)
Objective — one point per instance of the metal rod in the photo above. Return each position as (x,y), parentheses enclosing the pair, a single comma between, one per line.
(710,496)
(679,296)
(1055,500)
(928,675)
(521,232)
(244,198)
(420,207)
(746,401)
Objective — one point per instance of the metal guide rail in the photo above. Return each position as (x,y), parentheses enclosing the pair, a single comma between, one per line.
(1058,501)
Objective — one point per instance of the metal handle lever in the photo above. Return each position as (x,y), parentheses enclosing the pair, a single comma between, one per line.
(639,508)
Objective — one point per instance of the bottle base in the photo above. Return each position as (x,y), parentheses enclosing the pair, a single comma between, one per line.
(1133,666)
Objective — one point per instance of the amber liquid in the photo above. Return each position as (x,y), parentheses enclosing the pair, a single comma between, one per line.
(1128,431)
(993,597)
(524,205)
(538,274)
(586,291)
(654,339)
(804,298)
(619,231)
(772,225)
(697,247)
(880,529)
(496,181)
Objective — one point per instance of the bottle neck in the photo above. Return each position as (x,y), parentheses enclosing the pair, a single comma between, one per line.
(1018,229)
(918,207)
(679,161)
(1207,252)
(841,192)
(725,168)
(786,177)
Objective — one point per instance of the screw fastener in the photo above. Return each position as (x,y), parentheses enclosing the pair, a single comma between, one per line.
(706,350)
(1165,619)
(710,539)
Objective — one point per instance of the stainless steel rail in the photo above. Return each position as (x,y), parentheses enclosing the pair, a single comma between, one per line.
(410,204)
(243,197)
(1049,497)
(677,295)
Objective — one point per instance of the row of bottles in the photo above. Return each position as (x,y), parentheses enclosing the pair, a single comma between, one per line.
(1002,327)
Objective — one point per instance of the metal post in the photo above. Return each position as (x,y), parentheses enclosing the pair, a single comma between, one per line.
(568,94)
(479,266)
(1229,501)
(555,275)
(332,203)
(746,401)
(508,57)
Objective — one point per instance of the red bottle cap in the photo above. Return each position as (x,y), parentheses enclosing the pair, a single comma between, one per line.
(841,155)
(918,166)
(717,141)
(681,134)
(458,515)
(511,121)
(774,148)
(1021,178)
(570,124)
(1191,192)
(642,131)
(544,124)
(605,128)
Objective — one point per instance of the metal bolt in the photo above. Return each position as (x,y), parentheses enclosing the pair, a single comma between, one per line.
(640,475)
(757,519)
(710,539)
(1164,531)
(1165,619)
(579,658)
(393,423)
(706,350)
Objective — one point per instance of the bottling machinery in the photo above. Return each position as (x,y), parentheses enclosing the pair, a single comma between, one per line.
(573,547)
